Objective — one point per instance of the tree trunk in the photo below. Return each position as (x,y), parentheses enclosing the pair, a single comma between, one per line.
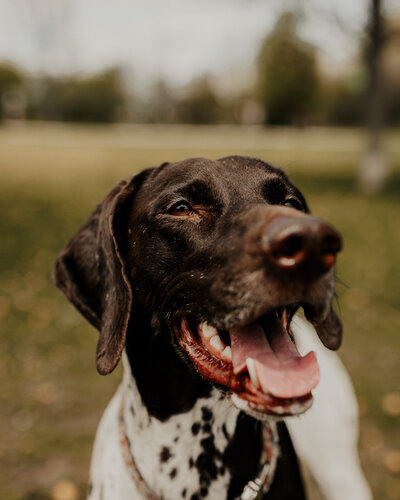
(374,167)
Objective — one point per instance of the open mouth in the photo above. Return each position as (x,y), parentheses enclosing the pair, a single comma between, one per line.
(258,363)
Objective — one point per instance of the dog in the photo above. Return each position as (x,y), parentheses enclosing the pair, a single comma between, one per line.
(193,273)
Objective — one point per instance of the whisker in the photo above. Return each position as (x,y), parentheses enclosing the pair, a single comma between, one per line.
(340,282)
(337,302)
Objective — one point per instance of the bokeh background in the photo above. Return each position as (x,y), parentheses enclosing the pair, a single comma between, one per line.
(92,91)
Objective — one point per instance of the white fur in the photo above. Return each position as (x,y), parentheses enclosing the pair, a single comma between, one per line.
(148,436)
(109,476)
(325,437)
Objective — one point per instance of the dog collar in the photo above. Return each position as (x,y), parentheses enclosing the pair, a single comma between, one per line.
(253,490)
(130,463)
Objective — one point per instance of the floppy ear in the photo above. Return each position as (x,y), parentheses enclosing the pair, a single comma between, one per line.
(91,272)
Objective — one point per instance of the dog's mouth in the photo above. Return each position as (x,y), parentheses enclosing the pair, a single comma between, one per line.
(258,364)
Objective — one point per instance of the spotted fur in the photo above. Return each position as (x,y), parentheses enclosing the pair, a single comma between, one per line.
(179,458)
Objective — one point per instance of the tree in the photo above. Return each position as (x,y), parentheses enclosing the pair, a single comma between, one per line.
(374,167)
(200,104)
(94,99)
(287,74)
(10,79)
(162,106)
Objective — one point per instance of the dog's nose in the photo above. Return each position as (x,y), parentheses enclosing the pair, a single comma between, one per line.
(300,244)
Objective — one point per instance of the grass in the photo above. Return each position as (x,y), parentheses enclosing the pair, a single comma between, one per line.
(52,176)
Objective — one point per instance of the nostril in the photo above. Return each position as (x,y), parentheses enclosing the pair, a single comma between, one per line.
(331,244)
(289,251)
(290,246)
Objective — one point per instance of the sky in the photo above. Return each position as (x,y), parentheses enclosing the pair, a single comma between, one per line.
(171,39)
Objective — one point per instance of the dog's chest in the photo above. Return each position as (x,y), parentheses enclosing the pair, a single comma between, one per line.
(185,456)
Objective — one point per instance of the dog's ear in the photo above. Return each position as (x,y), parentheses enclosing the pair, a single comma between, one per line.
(91,272)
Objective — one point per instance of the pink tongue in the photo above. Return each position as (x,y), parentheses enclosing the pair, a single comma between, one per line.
(280,368)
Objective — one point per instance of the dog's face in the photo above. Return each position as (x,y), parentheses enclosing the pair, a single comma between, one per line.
(217,256)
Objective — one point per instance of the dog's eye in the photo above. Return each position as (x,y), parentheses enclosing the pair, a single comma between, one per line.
(293,203)
(181,208)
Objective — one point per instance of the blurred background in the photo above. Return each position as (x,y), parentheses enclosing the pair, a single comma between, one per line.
(92,91)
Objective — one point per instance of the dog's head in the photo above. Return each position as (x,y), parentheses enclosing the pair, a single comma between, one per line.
(217,256)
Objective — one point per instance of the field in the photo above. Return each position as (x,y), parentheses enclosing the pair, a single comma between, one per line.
(51,176)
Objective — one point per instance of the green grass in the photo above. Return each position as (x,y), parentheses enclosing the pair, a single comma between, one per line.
(51,177)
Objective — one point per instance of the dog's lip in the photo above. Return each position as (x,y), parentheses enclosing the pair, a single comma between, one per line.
(221,372)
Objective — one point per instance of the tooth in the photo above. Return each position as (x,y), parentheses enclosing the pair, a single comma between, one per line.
(284,318)
(207,330)
(227,353)
(252,372)
(217,343)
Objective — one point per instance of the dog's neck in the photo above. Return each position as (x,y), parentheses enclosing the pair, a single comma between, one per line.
(187,454)
(166,383)
(185,436)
